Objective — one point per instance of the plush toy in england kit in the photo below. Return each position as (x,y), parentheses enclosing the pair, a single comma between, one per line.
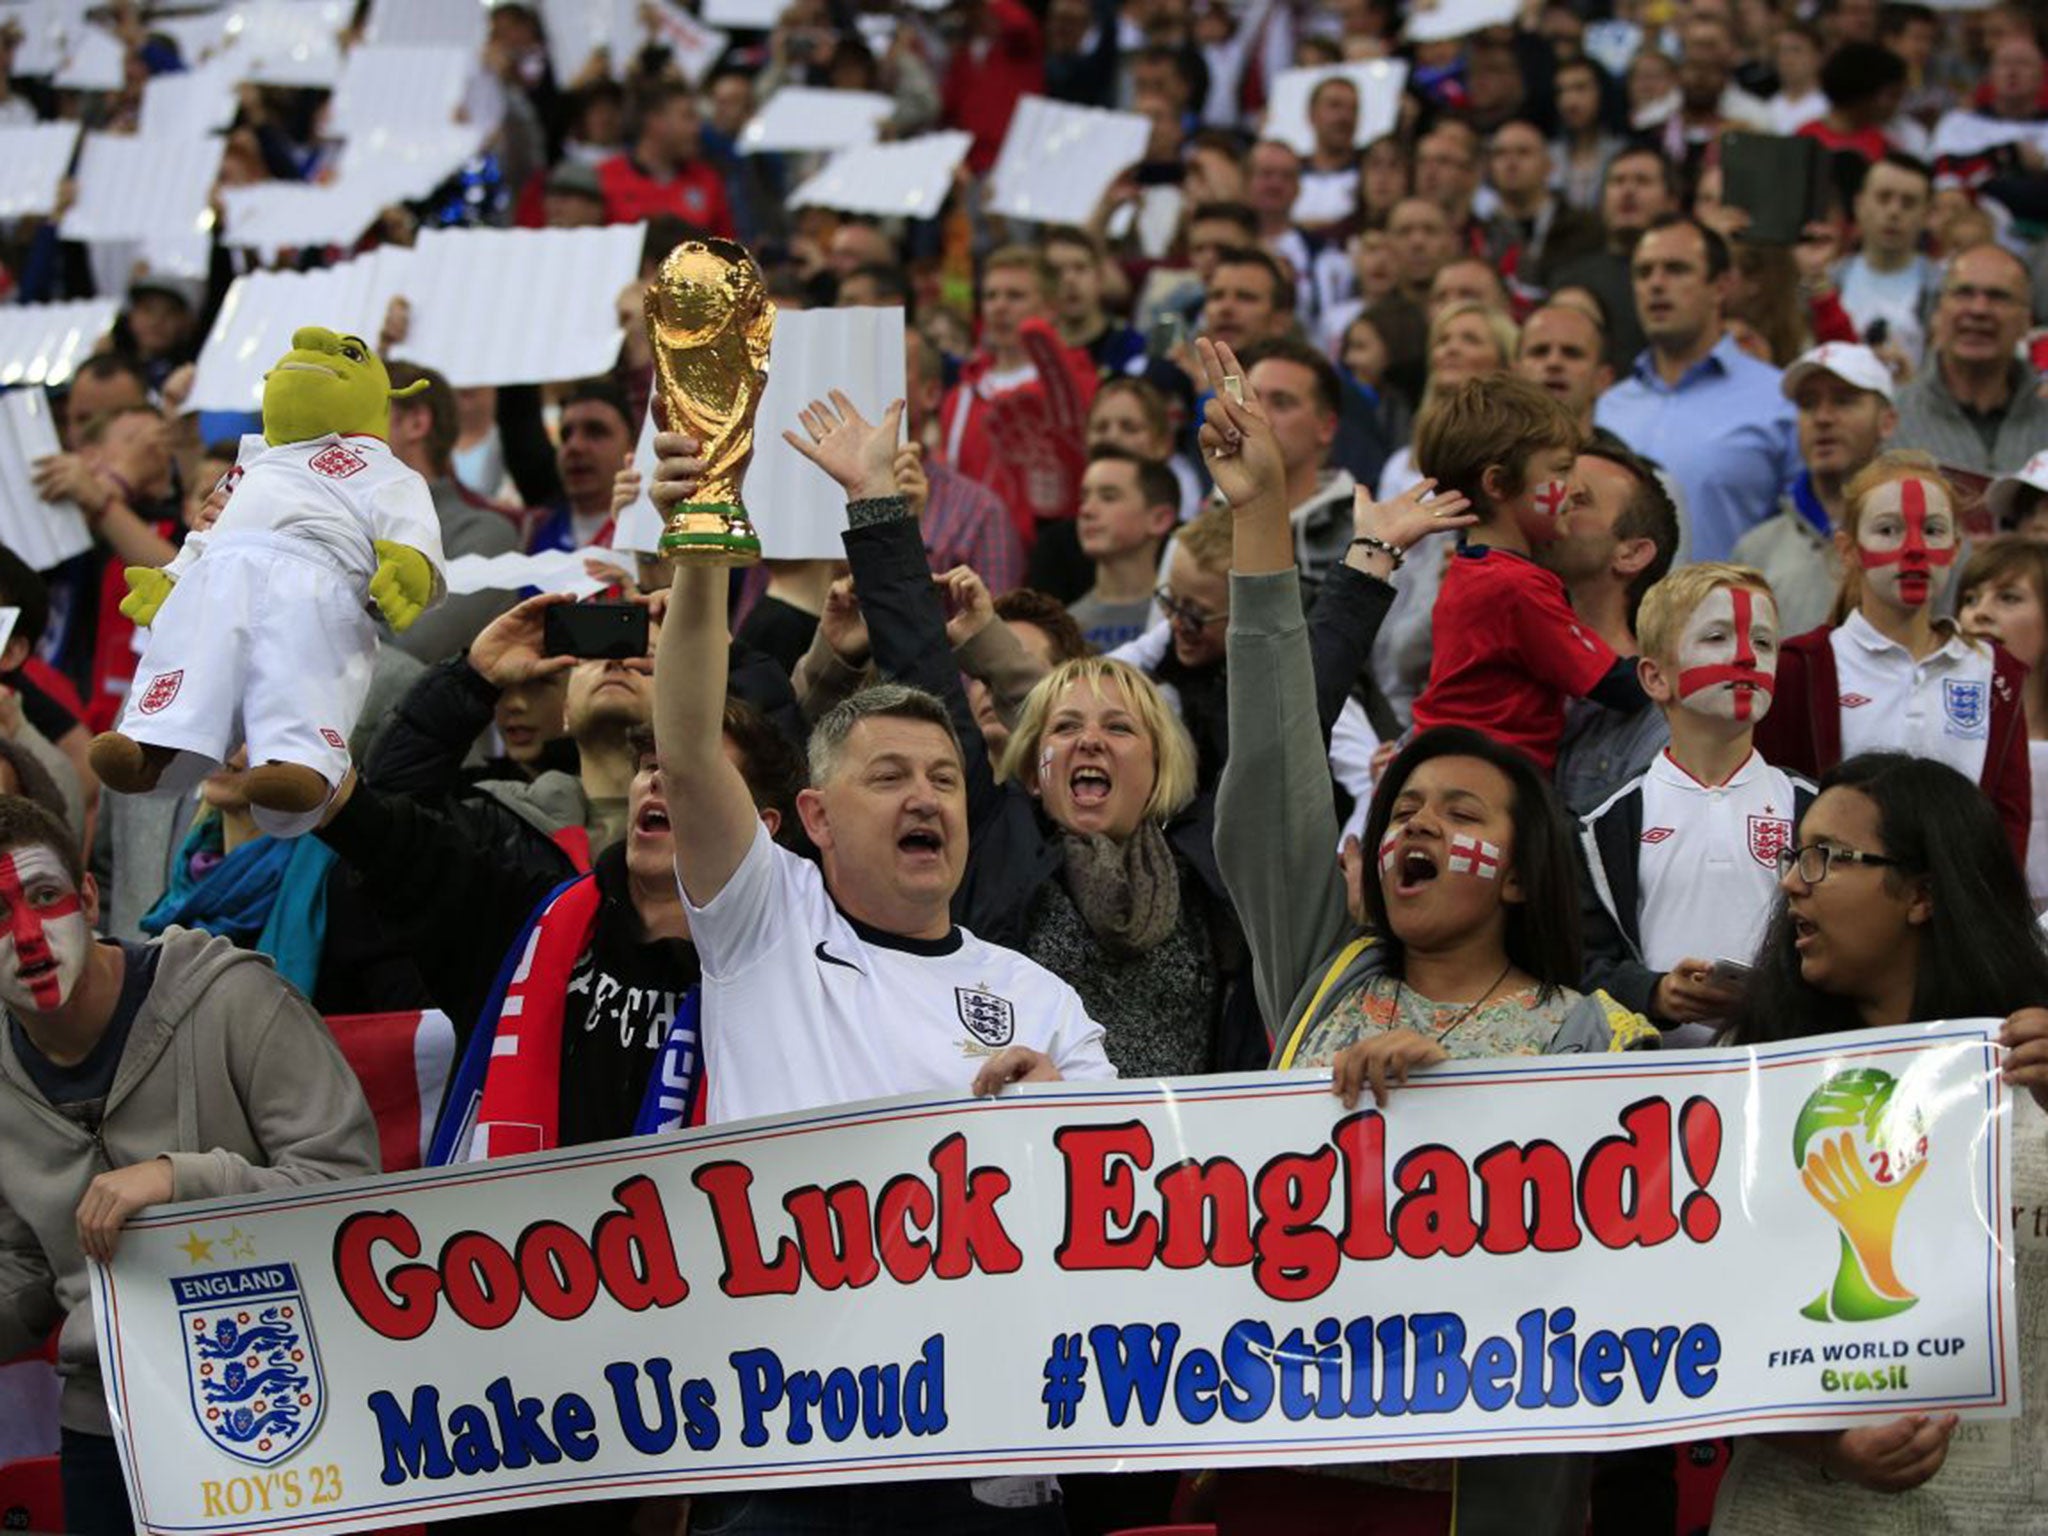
(260,631)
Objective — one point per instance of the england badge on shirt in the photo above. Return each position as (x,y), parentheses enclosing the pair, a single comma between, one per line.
(249,1357)
(990,1019)
(1768,836)
(1963,704)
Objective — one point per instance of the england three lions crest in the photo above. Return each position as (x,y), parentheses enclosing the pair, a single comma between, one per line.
(250,1360)
(990,1019)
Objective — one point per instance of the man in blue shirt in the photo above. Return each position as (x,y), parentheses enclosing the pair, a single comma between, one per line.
(1713,416)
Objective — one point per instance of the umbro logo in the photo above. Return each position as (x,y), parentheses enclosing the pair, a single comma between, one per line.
(1854,700)
(1657,834)
(829,958)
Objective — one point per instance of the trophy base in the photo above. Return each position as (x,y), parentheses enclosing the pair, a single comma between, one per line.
(710,533)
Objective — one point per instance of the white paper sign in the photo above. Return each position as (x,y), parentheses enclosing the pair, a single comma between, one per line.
(799,117)
(459,23)
(797,510)
(43,343)
(190,104)
(1379,82)
(290,42)
(1058,159)
(49,29)
(694,46)
(45,534)
(96,62)
(744,15)
(131,187)
(909,179)
(553,570)
(399,87)
(1433,21)
(32,161)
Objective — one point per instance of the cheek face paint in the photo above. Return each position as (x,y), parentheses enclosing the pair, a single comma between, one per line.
(1723,676)
(1552,496)
(1387,846)
(1474,856)
(42,948)
(1914,557)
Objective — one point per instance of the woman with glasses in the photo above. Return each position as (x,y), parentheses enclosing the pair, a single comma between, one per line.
(1890,675)
(1902,902)
(1469,948)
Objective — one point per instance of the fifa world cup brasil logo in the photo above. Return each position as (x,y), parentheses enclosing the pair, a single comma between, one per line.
(1860,1151)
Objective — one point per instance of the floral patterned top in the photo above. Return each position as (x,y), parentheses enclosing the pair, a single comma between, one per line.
(1514,1023)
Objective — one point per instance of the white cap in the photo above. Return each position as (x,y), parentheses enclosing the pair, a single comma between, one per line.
(2006,488)
(1856,366)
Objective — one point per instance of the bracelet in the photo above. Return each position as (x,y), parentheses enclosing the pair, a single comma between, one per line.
(1389,550)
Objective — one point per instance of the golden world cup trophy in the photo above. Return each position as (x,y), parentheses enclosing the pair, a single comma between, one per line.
(711,321)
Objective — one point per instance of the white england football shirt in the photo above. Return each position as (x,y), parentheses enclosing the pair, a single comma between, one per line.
(1707,861)
(339,492)
(1938,707)
(804,1007)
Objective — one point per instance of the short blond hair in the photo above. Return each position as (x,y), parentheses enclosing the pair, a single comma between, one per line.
(1173,752)
(1025,258)
(1672,601)
(1207,537)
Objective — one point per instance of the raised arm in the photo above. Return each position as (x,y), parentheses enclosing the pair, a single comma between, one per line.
(689,701)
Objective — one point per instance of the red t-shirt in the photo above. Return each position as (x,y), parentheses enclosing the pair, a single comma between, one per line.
(1870,143)
(1507,650)
(696,195)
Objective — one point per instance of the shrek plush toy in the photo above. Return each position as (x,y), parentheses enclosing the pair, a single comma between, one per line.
(260,630)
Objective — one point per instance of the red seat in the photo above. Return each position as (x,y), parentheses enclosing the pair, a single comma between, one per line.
(31,1495)
(1166,1530)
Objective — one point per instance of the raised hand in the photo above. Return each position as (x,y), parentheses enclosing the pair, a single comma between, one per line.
(511,648)
(858,454)
(1237,440)
(970,609)
(911,481)
(678,471)
(843,625)
(1411,516)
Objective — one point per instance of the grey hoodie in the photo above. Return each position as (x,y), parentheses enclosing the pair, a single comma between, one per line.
(226,1070)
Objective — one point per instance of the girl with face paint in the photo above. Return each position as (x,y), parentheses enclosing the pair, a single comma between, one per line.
(1892,675)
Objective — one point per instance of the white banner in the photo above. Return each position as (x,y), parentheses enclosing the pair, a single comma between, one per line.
(908,179)
(1379,82)
(1556,1252)
(1058,159)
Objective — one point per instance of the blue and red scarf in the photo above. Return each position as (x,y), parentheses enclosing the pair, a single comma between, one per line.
(507,1094)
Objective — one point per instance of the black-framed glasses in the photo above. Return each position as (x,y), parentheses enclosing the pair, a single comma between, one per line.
(1186,613)
(1814,860)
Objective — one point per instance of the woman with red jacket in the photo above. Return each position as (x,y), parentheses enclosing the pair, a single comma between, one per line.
(1889,675)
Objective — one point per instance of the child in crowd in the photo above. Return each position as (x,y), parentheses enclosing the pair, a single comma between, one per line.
(1128,506)
(1890,675)
(1506,649)
(2020,502)
(1678,870)
(2002,595)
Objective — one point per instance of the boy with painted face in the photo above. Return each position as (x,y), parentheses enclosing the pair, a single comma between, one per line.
(1678,870)
(1890,675)
(133,1075)
(1506,649)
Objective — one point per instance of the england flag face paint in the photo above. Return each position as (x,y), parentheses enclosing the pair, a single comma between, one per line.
(1387,846)
(45,938)
(1906,533)
(1474,856)
(1728,655)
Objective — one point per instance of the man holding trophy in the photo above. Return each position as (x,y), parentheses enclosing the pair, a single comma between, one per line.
(826,984)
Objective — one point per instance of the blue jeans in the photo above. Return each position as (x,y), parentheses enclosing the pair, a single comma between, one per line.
(95,1497)
(947,1508)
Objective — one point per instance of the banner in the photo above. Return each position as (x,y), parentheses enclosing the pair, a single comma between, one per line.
(1539,1254)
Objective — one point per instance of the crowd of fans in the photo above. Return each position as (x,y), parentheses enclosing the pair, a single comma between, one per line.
(1460,596)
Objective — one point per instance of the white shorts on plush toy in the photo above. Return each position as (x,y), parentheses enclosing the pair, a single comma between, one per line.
(274,647)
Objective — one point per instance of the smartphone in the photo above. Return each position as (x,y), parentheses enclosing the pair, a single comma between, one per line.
(1169,333)
(1729,973)
(595,631)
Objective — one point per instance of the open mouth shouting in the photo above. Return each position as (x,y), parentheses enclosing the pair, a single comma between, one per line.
(652,820)
(1414,868)
(1089,785)
(922,844)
